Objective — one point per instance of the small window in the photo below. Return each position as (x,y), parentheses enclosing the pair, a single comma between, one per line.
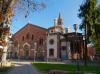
(41,41)
(51,41)
(59,22)
(23,38)
(27,36)
(51,52)
(32,36)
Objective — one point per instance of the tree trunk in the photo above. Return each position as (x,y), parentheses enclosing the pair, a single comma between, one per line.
(4,55)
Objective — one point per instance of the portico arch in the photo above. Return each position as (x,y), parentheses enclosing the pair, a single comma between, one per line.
(26,48)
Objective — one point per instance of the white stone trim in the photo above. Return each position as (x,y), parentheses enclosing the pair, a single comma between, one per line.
(26,44)
(1,47)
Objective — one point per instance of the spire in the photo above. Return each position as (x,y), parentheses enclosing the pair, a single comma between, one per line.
(59,16)
(59,20)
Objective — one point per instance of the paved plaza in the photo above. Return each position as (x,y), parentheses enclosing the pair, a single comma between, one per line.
(23,68)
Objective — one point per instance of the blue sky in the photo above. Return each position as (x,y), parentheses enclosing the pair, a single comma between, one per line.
(45,18)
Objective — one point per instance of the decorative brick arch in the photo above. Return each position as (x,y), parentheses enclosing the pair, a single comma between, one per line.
(26,48)
(26,44)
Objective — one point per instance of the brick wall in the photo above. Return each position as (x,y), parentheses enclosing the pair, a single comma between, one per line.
(29,35)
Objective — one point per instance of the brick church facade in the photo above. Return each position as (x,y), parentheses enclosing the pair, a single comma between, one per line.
(29,42)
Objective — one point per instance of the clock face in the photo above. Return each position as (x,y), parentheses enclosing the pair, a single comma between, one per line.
(51,41)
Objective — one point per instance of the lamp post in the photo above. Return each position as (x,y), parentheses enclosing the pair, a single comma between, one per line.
(35,46)
(10,46)
(75,28)
(18,52)
(34,54)
(85,52)
(43,54)
(83,47)
(33,50)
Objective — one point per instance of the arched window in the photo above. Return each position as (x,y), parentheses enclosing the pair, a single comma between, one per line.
(59,22)
(41,41)
(27,36)
(32,37)
(51,41)
(23,38)
(51,52)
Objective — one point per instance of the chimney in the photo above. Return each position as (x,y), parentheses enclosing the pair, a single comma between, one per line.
(55,22)
(67,30)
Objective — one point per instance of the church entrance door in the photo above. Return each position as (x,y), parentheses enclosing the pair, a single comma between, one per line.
(26,51)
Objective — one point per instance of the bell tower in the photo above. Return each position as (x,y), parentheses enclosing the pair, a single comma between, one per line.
(60,21)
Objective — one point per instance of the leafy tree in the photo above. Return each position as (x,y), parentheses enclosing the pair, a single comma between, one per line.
(8,8)
(96,35)
(96,20)
(89,12)
(24,6)
(86,13)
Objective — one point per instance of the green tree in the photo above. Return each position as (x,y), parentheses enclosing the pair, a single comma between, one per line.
(8,8)
(24,6)
(96,32)
(86,13)
(89,12)
(96,21)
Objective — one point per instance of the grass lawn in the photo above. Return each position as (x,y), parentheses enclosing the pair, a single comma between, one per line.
(4,70)
(46,67)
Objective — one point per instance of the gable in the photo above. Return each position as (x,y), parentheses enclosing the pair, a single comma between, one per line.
(29,28)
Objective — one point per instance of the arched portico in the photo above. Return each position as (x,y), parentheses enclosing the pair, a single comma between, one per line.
(26,48)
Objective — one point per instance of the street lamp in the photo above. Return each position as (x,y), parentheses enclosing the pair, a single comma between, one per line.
(75,28)
(18,53)
(34,54)
(35,46)
(83,47)
(10,47)
(85,56)
(43,53)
